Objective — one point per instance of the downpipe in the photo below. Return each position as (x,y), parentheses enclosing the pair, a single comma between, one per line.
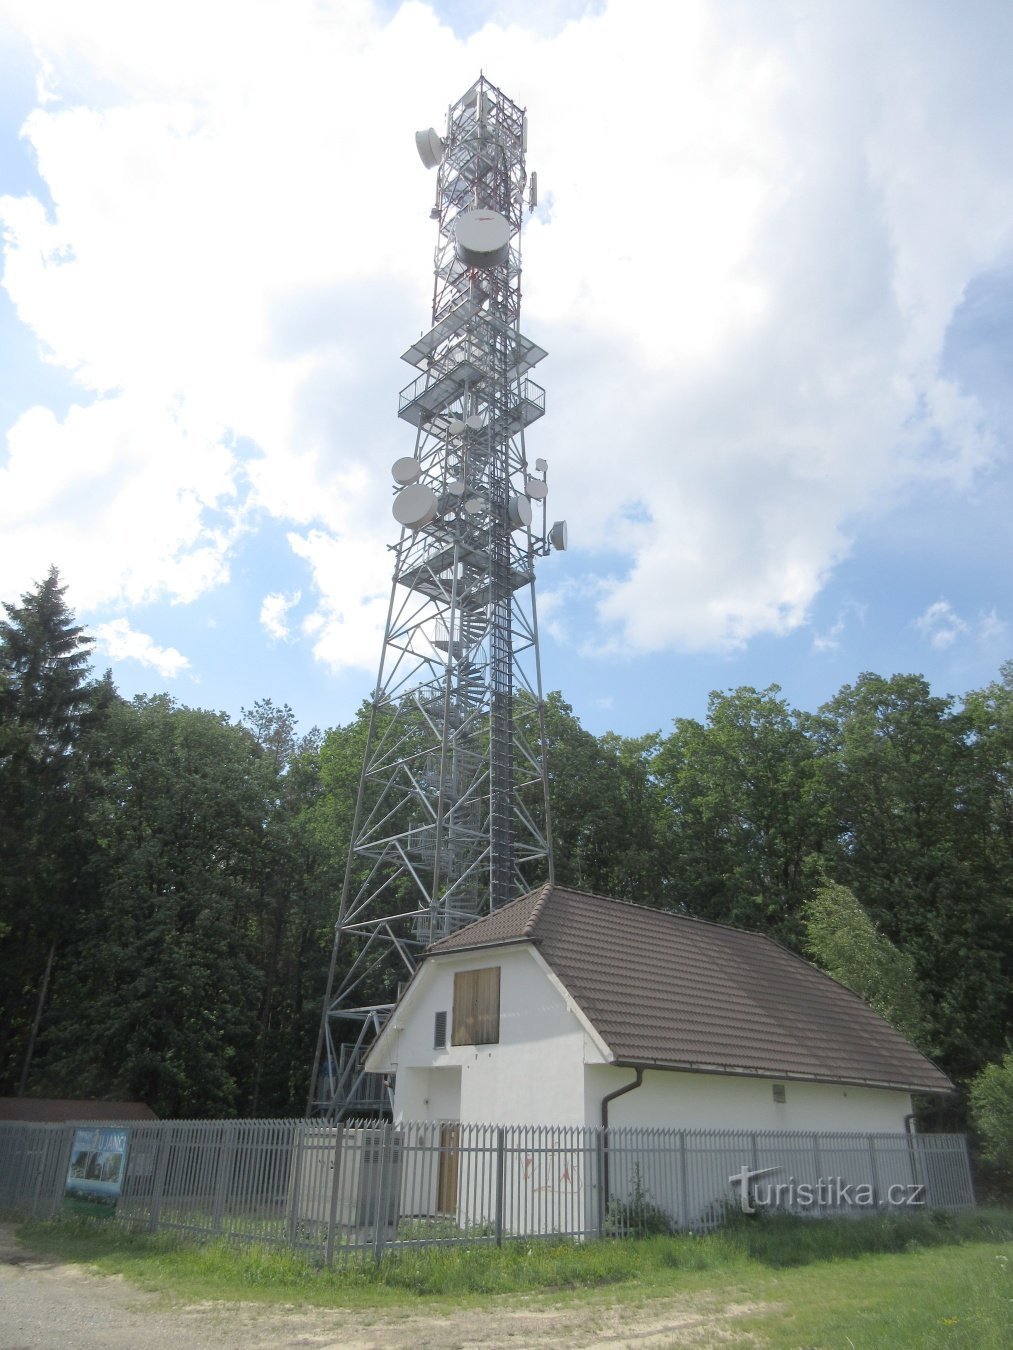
(605,1101)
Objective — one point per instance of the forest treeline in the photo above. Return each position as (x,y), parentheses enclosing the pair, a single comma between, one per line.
(169,878)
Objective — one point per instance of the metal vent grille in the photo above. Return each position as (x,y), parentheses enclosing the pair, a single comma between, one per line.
(440,1031)
(779,1093)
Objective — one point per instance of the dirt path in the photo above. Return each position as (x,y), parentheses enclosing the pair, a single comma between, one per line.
(45,1305)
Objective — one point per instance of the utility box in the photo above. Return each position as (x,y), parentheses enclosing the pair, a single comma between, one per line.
(369,1166)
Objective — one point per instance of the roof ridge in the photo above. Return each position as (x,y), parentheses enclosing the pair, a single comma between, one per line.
(536,910)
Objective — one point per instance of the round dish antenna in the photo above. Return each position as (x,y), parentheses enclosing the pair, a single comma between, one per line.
(519,511)
(557,535)
(430,147)
(536,489)
(415,506)
(483,238)
(405,470)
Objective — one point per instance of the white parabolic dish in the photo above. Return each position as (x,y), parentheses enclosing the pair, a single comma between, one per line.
(406,469)
(415,506)
(520,512)
(483,238)
(429,146)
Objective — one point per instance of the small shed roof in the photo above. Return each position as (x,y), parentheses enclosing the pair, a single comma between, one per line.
(669,991)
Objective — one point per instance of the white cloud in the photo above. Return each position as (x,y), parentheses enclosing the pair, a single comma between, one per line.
(352,575)
(273,611)
(991,628)
(124,643)
(830,640)
(746,260)
(941,624)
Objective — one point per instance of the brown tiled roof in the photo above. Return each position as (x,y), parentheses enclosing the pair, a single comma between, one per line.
(671,991)
(49,1109)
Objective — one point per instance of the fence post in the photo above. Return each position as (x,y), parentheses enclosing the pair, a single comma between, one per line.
(299,1147)
(817,1163)
(226,1163)
(683,1196)
(162,1152)
(874,1170)
(602,1197)
(378,1235)
(500,1182)
(61,1166)
(332,1215)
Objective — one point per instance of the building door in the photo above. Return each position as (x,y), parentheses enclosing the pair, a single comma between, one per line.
(450,1154)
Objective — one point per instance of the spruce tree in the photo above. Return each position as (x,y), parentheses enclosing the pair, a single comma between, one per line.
(47,704)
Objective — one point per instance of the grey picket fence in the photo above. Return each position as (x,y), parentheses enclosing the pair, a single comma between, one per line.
(369,1187)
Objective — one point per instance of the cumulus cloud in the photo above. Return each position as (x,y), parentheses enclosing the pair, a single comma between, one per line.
(744,273)
(124,643)
(941,624)
(352,576)
(273,613)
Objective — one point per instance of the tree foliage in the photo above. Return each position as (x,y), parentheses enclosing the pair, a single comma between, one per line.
(169,879)
(844,941)
(991,1101)
(48,705)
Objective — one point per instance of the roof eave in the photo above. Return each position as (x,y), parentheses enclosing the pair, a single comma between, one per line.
(739,1071)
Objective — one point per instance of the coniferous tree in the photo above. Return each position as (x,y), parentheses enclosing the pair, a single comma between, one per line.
(48,704)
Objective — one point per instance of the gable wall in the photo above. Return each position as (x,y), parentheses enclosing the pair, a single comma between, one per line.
(533,1075)
(721,1101)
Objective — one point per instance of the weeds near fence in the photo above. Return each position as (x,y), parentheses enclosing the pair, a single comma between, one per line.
(637,1215)
(238,1271)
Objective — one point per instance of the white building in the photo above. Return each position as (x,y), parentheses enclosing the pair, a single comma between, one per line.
(565,1008)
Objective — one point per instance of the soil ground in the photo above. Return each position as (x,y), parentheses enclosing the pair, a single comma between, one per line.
(47,1305)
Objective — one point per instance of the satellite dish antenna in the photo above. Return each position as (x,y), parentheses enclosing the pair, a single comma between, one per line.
(540,465)
(430,147)
(474,422)
(456,426)
(536,489)
(415,506)
(405,470)
(483,238)
(557,535)
(519,511)
(456,486)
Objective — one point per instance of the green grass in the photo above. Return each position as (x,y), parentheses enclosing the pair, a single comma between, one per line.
(919,1281)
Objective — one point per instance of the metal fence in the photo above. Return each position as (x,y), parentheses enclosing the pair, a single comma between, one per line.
(367,1186)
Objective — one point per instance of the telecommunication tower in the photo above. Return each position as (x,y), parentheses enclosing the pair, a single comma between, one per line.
(452,814)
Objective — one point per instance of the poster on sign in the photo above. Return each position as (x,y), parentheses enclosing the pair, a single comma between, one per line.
(98,1160)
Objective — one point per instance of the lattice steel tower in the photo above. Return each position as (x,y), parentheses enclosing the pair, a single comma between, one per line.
(452,816)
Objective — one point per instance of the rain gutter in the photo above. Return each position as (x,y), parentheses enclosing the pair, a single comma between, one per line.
(610,1097)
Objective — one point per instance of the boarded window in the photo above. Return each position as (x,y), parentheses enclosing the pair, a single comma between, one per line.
(476,1007)
(440,1031)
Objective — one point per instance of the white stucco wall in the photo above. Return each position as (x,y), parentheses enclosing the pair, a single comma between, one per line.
(718,1101)
(534,1075)
(549,1069)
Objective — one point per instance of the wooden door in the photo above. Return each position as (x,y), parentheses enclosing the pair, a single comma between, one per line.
(446,1186)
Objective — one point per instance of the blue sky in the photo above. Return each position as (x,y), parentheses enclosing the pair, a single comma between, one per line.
(772,266)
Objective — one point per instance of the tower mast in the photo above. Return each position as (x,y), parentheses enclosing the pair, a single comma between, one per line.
(452,816)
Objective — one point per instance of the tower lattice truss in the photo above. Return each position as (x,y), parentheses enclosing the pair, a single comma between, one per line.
(452,813)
